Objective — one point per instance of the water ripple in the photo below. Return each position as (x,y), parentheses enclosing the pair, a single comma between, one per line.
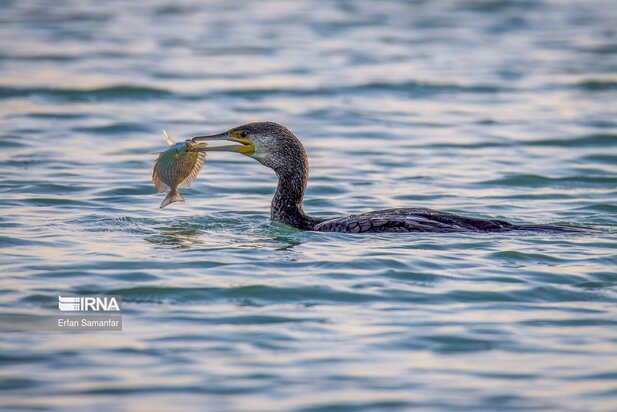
(487,108)
(79,95)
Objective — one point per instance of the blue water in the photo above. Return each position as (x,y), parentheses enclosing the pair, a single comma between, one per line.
(487,108)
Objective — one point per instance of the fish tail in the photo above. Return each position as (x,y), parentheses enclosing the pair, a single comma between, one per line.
(172,196)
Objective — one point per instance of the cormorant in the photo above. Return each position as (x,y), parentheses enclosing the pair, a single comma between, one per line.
(278,148)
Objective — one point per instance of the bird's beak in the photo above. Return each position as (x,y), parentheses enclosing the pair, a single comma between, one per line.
(245,146)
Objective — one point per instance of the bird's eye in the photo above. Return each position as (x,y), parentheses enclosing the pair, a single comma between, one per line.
(243,134)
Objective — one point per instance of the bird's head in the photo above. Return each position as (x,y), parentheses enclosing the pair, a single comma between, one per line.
(269,143)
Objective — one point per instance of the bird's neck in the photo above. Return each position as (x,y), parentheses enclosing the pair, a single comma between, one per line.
(287,202)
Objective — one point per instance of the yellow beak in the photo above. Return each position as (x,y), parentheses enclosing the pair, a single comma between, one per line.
(245,147)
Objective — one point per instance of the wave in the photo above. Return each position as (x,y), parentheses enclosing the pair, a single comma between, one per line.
(411,88)
(96,94)
(529,180)
(597,85)
(597,139)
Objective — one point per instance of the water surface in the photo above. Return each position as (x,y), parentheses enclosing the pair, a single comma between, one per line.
(485,108)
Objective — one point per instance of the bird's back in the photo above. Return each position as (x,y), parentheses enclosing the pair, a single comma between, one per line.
(423,220)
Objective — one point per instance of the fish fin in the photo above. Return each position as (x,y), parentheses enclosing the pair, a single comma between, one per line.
(201,157)
(172,196)
(168,139)
(159,186)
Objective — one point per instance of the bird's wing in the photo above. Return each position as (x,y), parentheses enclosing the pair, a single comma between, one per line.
(409,220)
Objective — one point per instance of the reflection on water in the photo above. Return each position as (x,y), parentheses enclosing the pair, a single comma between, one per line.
(485,108)
(233,231)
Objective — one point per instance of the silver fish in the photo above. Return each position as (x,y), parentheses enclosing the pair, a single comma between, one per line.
(176,168)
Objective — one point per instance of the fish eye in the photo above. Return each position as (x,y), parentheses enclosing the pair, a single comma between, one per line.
(244,133)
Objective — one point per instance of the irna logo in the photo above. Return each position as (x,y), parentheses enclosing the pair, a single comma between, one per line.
(89,303)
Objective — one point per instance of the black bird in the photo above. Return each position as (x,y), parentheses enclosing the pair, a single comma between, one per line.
(278,148)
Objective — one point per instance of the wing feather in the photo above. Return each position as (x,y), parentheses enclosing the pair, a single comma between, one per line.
(410,220)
